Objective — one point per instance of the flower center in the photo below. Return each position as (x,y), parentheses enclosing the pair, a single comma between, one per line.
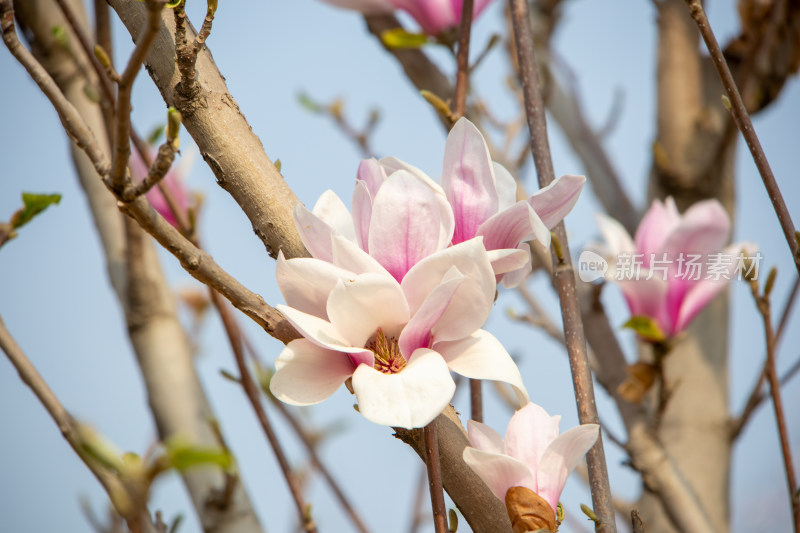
(388,358)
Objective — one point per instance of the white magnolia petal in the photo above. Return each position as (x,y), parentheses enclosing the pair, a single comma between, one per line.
(516,277)
(307,374)
(506,187)
(317,330)
(561,458)
(347,255)
(617,238)
(362,213)
(482,356)
(499,472)
(372,174)
(509,259)
(306,283)
(469,258)
(358,307)
(530,431)
(331,210)
(368,7)
(408,399)
(554,202)
(418,332)
(314,232)
(484,438)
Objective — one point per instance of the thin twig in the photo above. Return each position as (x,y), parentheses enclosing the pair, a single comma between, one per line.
(763,305)
(563,276)
(745,125)
(462,59)
(251,389)
(476,400)
(636,522)
(122,115)
(435,478)
(756,395)
(187,52)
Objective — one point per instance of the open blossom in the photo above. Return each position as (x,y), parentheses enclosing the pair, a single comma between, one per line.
(396,205)
(676,264)
(533,455)
(434,16)
(396,340)
(173,180)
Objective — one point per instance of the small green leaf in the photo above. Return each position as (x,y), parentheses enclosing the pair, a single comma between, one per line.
(278,165)
(155,134)
(306,101)
(453,520)
(173,3)
(646,328)
(34,204)
(183,456)
(400,38)
(60,35)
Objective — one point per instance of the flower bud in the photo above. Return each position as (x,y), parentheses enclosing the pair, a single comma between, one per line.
(528,511)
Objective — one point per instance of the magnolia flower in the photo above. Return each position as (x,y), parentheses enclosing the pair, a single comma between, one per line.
(675,265)
(483,193)
(533,454)
(173,180)
(397,340)
(401,216)
(434,16)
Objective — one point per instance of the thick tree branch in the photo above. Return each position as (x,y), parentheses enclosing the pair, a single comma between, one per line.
(225,139)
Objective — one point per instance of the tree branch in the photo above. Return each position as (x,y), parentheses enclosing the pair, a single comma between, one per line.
(563,276)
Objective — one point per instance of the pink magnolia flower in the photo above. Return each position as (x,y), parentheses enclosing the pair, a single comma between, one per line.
(397,340)
(173,181)
(533,454)
(676,264)
(401,216)
(434,16)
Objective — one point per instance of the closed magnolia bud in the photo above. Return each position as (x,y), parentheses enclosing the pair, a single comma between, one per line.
(528,511)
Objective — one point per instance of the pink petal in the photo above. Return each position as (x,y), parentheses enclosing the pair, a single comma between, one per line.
(468,179)
(510,227)
(469,258)
(561,458)
(306,283)
(701,293)
(315,233)
(411,398)
(647,297)
(331,210)
(515,277)
(358,307)
(484,438)
(417,333)
(554,202)
(307,374)
(482,356)
(530,431)
(405,216)
(656,226)
(433,15)
(704,228)
(498,472)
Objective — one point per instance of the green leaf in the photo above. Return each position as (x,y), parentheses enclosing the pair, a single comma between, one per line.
(155,134)
(33,205)
(183,456)
(307,102)
(646,328)
(400,38)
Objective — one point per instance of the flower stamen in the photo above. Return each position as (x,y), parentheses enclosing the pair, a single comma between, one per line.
(388,358)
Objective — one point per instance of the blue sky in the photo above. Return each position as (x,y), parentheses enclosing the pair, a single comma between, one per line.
(56,299)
